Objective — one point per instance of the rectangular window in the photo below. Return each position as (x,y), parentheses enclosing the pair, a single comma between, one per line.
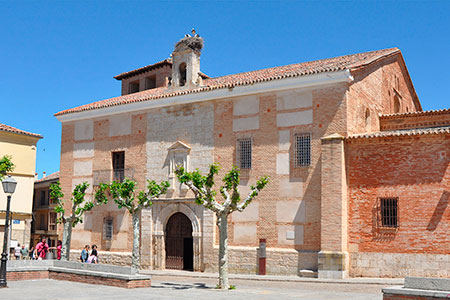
(150,82)
(244,153)
(43,223)
(389,212)
(133,87)
(302,149)
(118,163)
(108,229)
(52,221)
(43,198)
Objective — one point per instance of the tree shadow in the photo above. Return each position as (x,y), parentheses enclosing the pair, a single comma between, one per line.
(439,211)
(181,286)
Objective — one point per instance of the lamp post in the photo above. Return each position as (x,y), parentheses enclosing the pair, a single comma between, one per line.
(9,186)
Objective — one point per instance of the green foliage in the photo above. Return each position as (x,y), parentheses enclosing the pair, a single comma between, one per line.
(6,165)
(202,186)
(232,287)
(124,193)
(79,203)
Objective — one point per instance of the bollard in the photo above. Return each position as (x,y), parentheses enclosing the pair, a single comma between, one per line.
(262,257)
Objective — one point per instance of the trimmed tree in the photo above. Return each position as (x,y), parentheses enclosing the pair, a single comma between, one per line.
(6,165)
(80,205)
(124,194)
(203,188)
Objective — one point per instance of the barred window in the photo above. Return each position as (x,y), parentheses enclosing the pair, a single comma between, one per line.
(244,153)
(389,212)
(302,149)
(108,229)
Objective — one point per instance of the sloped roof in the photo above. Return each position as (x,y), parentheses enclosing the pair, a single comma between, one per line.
(11,129)
(417,113)
(402,132)
(340,63)
(53,176)
(167,62)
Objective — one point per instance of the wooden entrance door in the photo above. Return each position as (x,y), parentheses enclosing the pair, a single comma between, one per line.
(179,243)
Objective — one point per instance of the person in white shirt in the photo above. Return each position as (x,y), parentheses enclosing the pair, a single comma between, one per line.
(17,252)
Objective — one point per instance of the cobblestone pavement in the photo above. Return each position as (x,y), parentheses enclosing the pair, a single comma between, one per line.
(164,287)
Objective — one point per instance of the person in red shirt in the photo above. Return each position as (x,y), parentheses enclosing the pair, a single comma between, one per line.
(41,249)
(58,250)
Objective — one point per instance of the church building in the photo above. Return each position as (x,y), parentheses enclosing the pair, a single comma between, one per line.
(359,173)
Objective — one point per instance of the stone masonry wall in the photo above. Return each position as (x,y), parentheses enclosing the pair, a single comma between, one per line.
(378,264)
(279,261)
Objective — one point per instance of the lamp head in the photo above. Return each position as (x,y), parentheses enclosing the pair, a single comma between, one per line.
(9,185)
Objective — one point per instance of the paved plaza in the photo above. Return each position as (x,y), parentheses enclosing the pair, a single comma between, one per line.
(165,287)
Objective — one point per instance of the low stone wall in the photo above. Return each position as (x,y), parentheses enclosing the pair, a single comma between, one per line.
(416,288)
(106,257)
(75,271)
(244,260)
(368,264)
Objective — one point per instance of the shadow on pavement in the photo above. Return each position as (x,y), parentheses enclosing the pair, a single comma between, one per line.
(180,286)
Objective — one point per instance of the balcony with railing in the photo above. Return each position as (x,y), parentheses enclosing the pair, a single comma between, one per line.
(108,176)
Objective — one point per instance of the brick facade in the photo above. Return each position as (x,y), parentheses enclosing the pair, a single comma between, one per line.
(314,216)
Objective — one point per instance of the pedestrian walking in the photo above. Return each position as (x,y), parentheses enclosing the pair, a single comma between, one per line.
(58,250)
(31,253)
(41,249)
(24,252)
(17,252)
(85,254)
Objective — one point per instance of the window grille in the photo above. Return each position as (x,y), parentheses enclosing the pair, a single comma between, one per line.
(108,229)
(244,153)
(389,212)
(302,150)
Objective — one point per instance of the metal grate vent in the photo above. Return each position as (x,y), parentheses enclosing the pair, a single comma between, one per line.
(244,153)
(302,155)
(389,212)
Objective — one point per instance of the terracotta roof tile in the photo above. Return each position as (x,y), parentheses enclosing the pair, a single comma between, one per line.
(11,129)
(52,176)
(335,64)
(417,113)
(159,64)
(403,132)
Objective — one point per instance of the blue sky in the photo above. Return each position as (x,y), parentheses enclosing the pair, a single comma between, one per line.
(58,55)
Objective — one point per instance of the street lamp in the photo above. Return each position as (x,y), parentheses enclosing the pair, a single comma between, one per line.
(9,186)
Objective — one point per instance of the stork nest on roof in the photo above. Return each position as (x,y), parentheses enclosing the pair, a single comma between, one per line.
(189,43)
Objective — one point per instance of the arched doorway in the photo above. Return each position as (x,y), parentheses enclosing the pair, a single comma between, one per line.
(179,243)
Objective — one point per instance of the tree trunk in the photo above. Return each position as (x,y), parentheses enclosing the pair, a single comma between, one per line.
(135,258)
(222,223)
(67,237)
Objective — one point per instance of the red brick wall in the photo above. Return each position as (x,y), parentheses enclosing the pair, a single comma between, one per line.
(373,89)
(34,275)
(410,297)
(414,169)
(329,116)
(161,78)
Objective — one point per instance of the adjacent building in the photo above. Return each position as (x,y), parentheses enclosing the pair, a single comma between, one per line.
(21,147)
(44,216)
(359,174)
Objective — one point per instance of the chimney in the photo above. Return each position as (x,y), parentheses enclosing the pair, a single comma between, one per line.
(186,61)
(44,174)
(36,177)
